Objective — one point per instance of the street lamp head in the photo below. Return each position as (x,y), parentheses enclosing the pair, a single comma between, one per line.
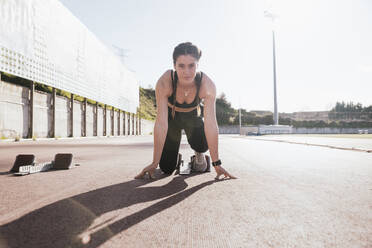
(270,15)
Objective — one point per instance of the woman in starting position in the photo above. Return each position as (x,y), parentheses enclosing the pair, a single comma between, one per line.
(179,95)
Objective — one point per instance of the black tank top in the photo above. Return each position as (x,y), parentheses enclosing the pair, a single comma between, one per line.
(195,102)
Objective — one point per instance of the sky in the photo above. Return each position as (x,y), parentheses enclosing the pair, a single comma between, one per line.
(323,47)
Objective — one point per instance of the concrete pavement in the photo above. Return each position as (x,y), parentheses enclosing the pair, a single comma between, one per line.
(287,195)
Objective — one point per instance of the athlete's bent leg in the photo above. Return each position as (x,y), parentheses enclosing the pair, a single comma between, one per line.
(196,135)
(198,142)
(168,160)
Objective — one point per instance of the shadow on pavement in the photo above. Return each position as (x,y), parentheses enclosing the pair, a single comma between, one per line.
(3,173)
(60,224)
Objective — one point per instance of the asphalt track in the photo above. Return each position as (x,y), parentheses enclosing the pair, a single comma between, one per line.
(286,195)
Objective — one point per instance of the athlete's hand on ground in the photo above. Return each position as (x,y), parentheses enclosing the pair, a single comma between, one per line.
(150,170)
(221,171)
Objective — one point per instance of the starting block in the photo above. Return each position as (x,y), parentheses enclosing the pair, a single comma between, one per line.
(62,161)
(185,169)
(179,162)
(25,165)
(35,168)
(22,160)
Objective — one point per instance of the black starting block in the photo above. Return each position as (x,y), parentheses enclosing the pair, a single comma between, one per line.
(25,164)
(208,163)
(22,160)
(179,163)
(62,161)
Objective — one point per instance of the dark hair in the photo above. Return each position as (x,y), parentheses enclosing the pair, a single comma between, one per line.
(186,48)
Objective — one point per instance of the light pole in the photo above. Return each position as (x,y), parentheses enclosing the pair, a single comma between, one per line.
(276,114)
(240,117)
(240,122)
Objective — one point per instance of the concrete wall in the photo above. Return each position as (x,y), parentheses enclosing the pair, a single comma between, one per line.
(90,120)
(42,115)
(100,121)
(113,121)
(129,122)
(116,115)
(78,119)
(14,116)
(135,124)
(301,130)
(235,129)
(62,117)
(328,130)
(14,107)
(125,131)
(123,123)
(109,122)
(228,129)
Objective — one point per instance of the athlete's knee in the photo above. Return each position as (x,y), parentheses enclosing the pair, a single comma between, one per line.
(200,148)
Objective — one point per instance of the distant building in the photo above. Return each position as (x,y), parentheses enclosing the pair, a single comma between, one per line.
(261,112)
(306,116)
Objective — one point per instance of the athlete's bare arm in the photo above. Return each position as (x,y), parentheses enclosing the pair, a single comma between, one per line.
(208,93)
(163,90)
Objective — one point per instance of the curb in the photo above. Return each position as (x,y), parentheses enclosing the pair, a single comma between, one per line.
(328,146)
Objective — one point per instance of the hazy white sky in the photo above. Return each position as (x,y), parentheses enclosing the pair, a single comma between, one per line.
(324,51)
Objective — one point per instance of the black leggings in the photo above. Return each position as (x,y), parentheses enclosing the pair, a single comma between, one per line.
(194,129)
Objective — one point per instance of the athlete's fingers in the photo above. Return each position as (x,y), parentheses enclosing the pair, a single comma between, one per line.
(140,175)
(229,175)
(151,174)
(224,172)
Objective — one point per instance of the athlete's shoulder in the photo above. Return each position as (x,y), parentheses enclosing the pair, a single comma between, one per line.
(208,88)
(166,76)
(164,84)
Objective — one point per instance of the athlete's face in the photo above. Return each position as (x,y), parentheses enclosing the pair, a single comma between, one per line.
(186,66)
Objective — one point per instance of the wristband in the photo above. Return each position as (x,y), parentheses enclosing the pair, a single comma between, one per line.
(217,163)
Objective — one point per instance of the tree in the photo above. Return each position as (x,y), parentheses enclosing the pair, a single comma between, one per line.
(225,114)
